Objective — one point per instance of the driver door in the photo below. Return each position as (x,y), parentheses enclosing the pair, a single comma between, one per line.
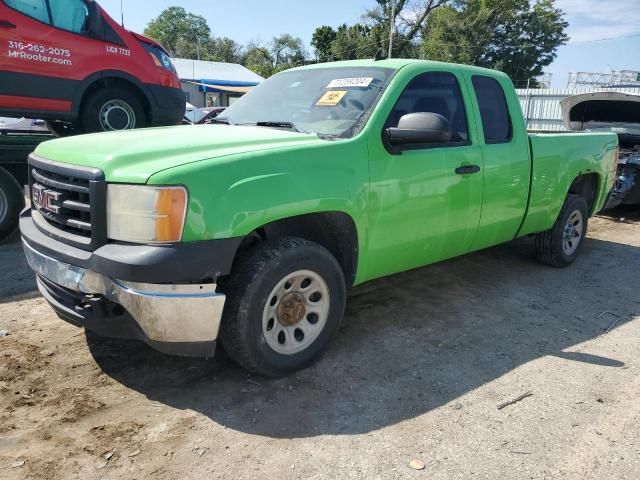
(424,204)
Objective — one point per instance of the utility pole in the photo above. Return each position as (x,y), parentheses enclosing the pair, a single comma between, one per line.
(393,28)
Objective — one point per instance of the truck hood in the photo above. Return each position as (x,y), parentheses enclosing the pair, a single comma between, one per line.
(135,155)
(604,111)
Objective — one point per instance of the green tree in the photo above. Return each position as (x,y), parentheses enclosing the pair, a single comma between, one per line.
(224,49)
(355,41)
(371,36)
(283,52)
(410,19)
(180,32)
(519,37)
(322,40)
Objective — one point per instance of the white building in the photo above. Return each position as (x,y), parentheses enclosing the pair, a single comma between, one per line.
(214,84)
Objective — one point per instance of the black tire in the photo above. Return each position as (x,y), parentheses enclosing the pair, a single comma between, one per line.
(248,290)
(11,204)
(550,248)
(127,104)
(62,129)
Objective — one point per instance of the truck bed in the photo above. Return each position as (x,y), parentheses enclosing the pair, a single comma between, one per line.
(557,159)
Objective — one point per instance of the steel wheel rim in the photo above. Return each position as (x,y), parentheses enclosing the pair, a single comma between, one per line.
(573,233)
(4,206)
(119,113)
(283,331)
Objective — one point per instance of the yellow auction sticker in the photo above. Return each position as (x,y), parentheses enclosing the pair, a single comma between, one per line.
(331,98)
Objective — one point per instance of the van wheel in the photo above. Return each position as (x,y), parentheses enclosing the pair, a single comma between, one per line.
(11,203)
(560,246)
(285,301)
(112,109)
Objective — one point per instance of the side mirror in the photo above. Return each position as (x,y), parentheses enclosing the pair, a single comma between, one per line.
(95,25)
(420,128)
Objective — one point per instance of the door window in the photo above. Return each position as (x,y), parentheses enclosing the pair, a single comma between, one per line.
(494,112)
(33,8)
(434,92)
(69,15)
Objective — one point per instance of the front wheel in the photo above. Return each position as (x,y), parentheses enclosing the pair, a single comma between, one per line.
(285,301)
(112,109)
(560,246)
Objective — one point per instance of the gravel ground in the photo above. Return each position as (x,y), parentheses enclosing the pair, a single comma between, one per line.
(418,371)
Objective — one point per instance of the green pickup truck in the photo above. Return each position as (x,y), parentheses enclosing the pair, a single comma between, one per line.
(252,230)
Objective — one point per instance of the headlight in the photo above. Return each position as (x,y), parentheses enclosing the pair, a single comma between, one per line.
(144,214)
(160,58)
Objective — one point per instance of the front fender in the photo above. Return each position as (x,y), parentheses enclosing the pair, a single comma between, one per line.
(234,195)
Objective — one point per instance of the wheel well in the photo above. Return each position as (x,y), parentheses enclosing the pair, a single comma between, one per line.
(336,231)
(112,82)
(586,185)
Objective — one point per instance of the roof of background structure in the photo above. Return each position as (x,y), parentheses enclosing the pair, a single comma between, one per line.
(218,72)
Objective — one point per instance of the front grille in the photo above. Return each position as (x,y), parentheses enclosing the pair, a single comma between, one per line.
(68,202)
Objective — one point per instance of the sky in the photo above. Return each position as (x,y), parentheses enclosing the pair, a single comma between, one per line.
(246,20)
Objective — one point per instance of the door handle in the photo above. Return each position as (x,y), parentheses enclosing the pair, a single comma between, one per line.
(6,24)
(467,169)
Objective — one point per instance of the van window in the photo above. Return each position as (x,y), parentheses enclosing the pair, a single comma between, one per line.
(494,111)
(33,8)
(435,92)
(69,15)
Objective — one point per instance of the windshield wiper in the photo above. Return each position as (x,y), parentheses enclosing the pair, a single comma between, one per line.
(274,124)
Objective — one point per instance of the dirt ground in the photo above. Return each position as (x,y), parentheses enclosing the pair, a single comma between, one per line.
(418,371)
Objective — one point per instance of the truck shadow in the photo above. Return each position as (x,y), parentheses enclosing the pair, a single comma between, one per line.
(410,343)
(18,281)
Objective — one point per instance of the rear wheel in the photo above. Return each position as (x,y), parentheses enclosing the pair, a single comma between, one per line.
(285,301)
(11,203)
(112,109)
(560,246)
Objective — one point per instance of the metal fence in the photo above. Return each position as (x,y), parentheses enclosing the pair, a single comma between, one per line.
(541,107)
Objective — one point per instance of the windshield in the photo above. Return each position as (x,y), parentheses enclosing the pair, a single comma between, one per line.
(333,102)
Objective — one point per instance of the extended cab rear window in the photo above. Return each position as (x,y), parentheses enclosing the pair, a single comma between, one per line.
(494,112)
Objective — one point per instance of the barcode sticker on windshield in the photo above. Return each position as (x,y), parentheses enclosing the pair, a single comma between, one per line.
(362,82)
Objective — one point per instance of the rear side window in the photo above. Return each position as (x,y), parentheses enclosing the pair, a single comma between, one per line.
(69,15)
(33,8)
(496,121)
(435,92)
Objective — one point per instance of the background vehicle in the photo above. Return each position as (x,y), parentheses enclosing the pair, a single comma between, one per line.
(200,116)
(324,177)
(22,125)
(15,147)
(618,113)
(69,63)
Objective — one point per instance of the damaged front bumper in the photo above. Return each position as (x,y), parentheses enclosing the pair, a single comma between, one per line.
(163,295)
(175,319)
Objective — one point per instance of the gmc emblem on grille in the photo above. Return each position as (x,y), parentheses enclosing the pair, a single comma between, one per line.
(45,199)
